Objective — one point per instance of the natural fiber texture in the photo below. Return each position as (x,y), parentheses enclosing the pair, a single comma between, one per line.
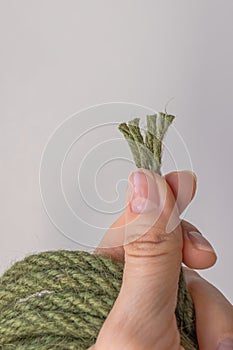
(60,299)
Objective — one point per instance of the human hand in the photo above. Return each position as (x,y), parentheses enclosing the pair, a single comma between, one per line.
(143,315)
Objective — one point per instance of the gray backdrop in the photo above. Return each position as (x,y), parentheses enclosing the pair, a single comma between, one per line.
(58,57)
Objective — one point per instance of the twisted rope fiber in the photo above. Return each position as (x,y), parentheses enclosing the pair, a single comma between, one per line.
(60,299)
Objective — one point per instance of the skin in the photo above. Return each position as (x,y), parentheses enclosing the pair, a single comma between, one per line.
(142,317)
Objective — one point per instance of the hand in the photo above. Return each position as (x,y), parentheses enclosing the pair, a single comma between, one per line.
(143,314)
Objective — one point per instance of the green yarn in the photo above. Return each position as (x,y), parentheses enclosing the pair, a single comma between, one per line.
(57,300)
(147,151)
(60,299)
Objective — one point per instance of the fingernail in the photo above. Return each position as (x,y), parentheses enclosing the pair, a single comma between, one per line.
(199,241)
(226,344)
(145,197)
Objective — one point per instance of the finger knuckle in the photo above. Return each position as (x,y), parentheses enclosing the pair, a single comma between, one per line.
(153,244)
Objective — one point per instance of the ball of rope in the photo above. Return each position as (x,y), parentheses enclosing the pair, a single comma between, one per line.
(60,299)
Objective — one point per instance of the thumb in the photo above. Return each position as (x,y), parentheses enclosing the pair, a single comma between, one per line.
(143,315)
(153,254)
(153,237)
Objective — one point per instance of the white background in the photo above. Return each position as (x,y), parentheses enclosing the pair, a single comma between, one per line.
(58,57)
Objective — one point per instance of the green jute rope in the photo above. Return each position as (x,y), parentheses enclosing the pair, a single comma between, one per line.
(60,299)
